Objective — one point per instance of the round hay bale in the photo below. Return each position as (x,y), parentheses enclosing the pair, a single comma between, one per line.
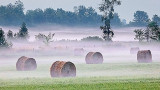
(78,51)
(144,56)
(134,50)
(26,64)
(63,69)
(94,58)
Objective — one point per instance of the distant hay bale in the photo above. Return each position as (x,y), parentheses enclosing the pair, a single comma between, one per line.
(94,58)
(134,50)
(63,69)
(144,56)
(78,51)
(26,64)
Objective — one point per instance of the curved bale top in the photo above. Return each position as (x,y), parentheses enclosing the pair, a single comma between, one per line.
(134,50)
(144,56)
(63,69)
(26,64)
(94,58)
(78,51)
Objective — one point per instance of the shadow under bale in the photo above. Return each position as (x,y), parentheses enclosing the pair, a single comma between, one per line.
(134,50)
(94,58)
(63,69)
(26,64)
(144,56)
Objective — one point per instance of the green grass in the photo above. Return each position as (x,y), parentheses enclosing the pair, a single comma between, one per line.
(130,76)
(94,83)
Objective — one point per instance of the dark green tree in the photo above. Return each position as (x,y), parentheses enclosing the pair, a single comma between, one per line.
(12,14)
(156,19)
(3,41)
(140,18)
(23,32)
(152,32)
(19,14)
(86,15)
(116,21)
(107,7)
(35,16)
(155,30)
(139,35)
(49,15)
(10,35)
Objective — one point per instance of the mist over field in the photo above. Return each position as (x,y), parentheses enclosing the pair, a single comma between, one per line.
(73,33)
(55,49)
(63,50)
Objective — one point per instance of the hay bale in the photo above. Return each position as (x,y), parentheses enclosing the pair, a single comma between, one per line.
(144,56)
(63,69)
(26,64)
(78,51)
(134,50)
(94,58)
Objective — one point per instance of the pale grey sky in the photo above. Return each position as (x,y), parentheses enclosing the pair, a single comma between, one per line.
(126,10)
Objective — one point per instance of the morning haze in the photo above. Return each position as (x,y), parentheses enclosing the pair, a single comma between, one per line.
(45,48)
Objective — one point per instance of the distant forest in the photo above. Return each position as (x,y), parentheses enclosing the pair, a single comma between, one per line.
(13,14)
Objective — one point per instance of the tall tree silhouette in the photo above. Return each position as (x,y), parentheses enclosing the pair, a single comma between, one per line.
(107,7)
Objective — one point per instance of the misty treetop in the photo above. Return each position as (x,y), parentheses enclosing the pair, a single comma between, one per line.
(156,19)
(10,35)
(22,35)
(140,19)
(151,33)
(23,32)
(3,41)
(13,14)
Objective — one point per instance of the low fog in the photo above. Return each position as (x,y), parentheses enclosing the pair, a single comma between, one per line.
(66,40)
(73,33)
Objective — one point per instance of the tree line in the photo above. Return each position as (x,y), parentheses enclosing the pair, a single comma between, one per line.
(13,14)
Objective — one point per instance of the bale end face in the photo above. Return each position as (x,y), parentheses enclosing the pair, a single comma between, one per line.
(144,56)
(63,69)
(94,58)
(26,64)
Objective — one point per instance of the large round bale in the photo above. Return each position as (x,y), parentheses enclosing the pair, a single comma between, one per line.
(78,51)
(94,58)
(134,50)
(26,64)
(144,56)
(63,69)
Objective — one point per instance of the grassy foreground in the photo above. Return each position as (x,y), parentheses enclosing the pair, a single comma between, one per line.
(94,83)
(130,76)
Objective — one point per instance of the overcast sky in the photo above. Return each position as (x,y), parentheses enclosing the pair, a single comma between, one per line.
(126,10)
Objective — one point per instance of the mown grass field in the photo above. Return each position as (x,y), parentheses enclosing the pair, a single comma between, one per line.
(94,83)
(131,76)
